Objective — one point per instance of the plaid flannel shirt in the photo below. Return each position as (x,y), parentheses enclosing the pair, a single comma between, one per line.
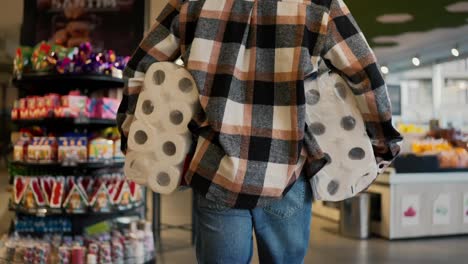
(249,59)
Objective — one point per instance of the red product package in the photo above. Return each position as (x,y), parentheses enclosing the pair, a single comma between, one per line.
(40,199)
(31,102)
(52,100)
(20,185)
(14,114)
(58,190)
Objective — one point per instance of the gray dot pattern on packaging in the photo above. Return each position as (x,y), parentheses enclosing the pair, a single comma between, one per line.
(317,128)
(141,137)
(159,77)
(312,97)
(332,187)
(148,107)
(186,85)
(357,154)
(348,123)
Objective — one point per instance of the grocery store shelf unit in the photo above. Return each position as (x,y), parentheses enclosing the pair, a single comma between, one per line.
(40,83)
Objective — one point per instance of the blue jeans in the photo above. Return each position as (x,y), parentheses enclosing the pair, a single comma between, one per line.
(224,235)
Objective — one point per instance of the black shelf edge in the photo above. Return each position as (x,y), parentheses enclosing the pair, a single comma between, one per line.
(44,212)
(89,165)
(49,82)
(92,122)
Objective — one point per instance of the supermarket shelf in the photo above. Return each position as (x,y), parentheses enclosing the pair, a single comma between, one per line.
(87,165)
(43,212)
(65,122)
(49,82)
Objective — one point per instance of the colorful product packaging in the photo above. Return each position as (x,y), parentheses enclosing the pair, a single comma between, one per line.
(72,149)
(101,150)
(20,149)
(42,150)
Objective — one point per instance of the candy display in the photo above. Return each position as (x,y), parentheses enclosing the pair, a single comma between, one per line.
(76,195)
(122,245)
(67,150)
(72,105)
(61,60)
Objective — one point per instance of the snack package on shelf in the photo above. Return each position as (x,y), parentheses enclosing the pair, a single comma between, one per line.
(52,100)
(123,196)
(20,184)
(58,193)
(69,151)
(22,61)
(73,105)
(76,200)
(33,197)
(100,200)
(20,149)
(101,150)
(103,108)
(42,150)
(105,193)
(72,150)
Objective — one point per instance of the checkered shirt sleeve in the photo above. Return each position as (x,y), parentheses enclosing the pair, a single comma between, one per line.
(161,43)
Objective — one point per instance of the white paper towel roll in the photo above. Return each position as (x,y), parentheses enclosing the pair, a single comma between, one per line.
(142,137)
(148,108)
(138,166)
(176,116)
(165,179)
(172,149)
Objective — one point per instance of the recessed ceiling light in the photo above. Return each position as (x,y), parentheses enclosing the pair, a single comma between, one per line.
(455,52)
(384,69)
(416,61)
(459,7)
(395,18)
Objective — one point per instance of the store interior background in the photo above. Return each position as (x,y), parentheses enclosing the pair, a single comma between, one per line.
(437,89)
(11,17)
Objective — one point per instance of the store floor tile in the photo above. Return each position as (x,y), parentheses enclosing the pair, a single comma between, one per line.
(327,246)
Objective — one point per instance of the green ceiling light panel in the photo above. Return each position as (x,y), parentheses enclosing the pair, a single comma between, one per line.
(426,16)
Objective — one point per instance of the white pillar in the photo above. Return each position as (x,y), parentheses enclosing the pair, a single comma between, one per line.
(437,86)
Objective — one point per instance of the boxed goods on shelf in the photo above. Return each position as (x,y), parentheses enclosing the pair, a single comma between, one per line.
(76,195)
(100,149)
(72,149)
(42,149)
(67,150)
(73,105)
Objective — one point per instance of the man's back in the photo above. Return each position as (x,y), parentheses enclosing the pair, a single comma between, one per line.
(249,59)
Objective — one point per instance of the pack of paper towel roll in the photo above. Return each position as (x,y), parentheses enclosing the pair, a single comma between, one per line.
(159,139)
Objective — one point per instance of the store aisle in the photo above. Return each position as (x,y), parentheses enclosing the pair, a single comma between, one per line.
(329,247)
